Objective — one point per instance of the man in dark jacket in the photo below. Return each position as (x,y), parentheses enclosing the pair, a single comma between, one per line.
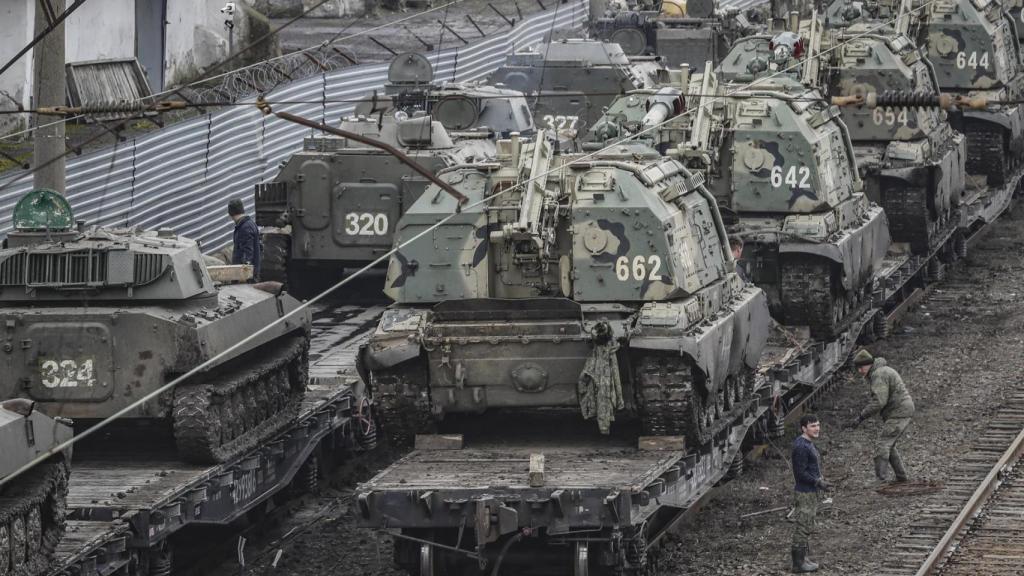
(246,238)
(809,481)
(891,400)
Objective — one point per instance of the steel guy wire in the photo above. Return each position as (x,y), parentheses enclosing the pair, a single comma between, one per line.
(380,260)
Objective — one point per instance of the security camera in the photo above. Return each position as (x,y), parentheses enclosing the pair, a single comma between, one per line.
(228,8)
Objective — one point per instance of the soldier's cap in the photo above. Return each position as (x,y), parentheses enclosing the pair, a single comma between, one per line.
(863,358)
(235,207)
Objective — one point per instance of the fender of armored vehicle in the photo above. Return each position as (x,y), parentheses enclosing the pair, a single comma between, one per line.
(1011,121)
(25,433)
(718,346)
(859,250)
(394,342)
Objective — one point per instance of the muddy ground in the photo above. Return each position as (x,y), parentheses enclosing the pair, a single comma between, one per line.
(959,352)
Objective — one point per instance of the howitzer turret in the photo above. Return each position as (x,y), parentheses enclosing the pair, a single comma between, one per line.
(603,286)
(779,161)
(912,161)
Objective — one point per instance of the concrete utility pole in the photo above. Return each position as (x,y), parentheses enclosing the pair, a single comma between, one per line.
(48,90)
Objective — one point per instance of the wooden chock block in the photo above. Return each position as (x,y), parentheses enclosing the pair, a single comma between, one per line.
(536,470)
(230,274)
(438,442)
(662,443)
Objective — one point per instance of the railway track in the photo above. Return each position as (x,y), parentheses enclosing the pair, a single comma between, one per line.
(975,525)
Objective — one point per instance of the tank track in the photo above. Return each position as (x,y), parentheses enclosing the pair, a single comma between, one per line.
(669,406)
(32,514)
(232,412)
(807,297)
(909,217)
(274,263)
(986,153)
(403,402)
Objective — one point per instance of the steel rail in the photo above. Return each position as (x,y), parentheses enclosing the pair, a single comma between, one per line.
(981,495)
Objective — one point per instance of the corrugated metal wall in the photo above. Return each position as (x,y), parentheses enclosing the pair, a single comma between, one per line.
(183,175)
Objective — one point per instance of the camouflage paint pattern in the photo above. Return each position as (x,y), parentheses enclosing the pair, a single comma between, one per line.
(911,159)
(504,297)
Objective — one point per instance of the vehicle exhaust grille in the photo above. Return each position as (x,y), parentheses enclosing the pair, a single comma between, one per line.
(12,270)
(67,268)
(148,267)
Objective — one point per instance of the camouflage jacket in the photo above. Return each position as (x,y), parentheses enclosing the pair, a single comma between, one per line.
(888,393)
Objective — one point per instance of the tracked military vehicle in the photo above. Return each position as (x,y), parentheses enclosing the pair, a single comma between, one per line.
(568,82)
(780,164)
(688,32)
(911,160)
(33,504)
(465,109)
(335,204)
(605,288)
(975,53)
(97,318)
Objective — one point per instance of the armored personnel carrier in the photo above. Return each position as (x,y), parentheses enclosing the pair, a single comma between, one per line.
(605,288)
(33,504)
(335,204)
(568,82)
(780,164)
(682,32)
(465,109)
(97,318)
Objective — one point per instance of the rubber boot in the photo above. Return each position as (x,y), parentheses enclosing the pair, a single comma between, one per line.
(881,468)
(897,466)
(801,565)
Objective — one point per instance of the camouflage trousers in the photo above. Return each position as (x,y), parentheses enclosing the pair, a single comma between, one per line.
(805,508)
(892,431)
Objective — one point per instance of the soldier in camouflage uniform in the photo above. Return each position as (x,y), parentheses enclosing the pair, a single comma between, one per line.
(889,397)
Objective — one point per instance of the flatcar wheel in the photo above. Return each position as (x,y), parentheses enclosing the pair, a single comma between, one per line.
(426,560)
(581,559)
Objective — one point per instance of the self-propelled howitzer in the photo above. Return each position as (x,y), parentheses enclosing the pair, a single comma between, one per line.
(911,160)
(782,168)
(602,285)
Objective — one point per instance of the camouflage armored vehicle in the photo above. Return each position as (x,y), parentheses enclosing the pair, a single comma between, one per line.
(465,109)
(975,53)
(688,32)
(605,288)
(780,164)
(102,317)
(335,204)
(912,161)
(568,82)
(33,504)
